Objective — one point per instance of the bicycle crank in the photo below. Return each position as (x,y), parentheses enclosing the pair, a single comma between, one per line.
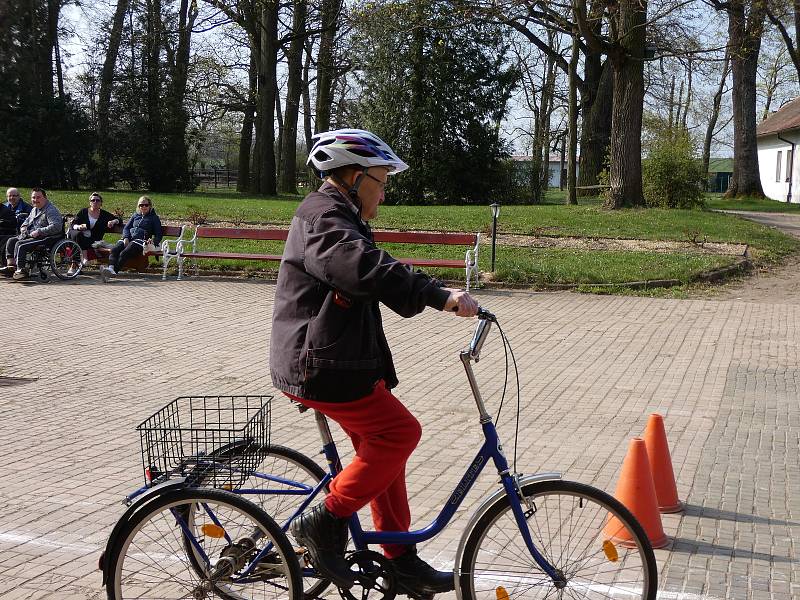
(375,577)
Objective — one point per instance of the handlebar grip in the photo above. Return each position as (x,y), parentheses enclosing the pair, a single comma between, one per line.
(483,314)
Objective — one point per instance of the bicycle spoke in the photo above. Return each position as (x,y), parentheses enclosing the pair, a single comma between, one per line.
(567,529)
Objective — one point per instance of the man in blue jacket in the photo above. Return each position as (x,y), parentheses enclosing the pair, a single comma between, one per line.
(21,208)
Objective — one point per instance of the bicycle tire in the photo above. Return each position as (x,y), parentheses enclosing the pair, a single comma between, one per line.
(567,529)
(151,553)
(289,464)
(62,257)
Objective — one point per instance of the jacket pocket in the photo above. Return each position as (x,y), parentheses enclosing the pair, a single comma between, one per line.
(363,364)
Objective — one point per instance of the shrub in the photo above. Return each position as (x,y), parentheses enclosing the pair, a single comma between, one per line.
(672,176)
(196,216)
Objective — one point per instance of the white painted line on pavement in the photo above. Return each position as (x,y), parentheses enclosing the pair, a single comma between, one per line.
(15,538)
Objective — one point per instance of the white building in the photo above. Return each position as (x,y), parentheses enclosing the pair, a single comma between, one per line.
(777,136)
(554,167)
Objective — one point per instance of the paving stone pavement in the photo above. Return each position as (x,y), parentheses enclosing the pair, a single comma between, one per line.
(724,374)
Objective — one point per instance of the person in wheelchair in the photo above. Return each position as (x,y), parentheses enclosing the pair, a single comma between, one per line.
(329,352)
(43,226)
(90,225)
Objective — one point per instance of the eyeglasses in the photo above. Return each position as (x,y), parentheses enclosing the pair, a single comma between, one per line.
(381,184)
(95,200)
(141,205)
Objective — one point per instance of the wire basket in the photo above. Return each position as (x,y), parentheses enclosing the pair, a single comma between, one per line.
(213,441)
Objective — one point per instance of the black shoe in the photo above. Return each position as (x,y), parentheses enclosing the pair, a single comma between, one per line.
(324,536)
(418,577)
(7,271)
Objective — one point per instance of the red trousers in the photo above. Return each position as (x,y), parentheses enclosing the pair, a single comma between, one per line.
(384,433)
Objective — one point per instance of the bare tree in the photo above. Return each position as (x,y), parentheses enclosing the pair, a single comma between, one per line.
(625,48)
(781,12)
(712,121)
(745,27)
(330,14)
(104,94)
(294,60)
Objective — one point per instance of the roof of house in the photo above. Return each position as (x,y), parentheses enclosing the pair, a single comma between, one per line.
(720,165)
(786,118)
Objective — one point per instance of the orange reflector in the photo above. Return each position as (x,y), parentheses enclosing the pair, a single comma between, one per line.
(501,593)
(610,550)
(212,530)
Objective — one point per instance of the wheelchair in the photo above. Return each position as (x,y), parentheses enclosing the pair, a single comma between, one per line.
(56,256)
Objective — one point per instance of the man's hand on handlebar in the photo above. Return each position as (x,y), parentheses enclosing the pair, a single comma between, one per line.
(461,303)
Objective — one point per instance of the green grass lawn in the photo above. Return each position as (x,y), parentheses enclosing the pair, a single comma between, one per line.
(514,265)
(717,202)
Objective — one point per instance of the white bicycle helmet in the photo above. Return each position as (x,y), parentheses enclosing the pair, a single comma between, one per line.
(344,147)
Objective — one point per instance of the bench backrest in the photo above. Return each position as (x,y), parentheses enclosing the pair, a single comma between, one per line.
(412,237)
(235,233)
(397,237)
(166,230)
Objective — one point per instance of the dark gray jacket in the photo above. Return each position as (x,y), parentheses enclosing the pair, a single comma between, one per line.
(47,221)
(327,340)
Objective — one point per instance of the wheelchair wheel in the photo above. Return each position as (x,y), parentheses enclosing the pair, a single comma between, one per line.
(66,256)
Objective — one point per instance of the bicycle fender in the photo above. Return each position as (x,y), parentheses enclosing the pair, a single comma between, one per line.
(123,521)
(481,510)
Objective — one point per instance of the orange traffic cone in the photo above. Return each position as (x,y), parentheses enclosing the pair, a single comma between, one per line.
(655,438)
(636,491)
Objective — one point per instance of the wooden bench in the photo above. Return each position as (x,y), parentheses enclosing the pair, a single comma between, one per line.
(140,263)
(469,264)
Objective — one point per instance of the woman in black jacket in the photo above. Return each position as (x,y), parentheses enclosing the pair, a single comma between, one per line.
(91,224)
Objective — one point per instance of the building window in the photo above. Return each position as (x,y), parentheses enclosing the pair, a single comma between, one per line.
(778,167)
(789,154)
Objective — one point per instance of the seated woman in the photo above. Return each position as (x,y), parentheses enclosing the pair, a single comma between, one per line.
(90,225)
(143,228)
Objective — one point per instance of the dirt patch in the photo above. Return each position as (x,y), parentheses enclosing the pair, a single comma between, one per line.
(779,284)
(530,241)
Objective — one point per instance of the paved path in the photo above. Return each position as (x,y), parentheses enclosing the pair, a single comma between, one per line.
(787,222)
(724,374)
(775,284)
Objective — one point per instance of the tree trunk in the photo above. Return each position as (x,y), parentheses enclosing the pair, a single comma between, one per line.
(626,116)
(246,136)
(596,128)
(267,84)
(672,102)
(177,119)
(572,120)
(712,123)
(152,52)
(279,142)
(307,129)
(294,65)
(745,41)
(547,111)
(417,111)
(688,95)
(104,95)
(329,15)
